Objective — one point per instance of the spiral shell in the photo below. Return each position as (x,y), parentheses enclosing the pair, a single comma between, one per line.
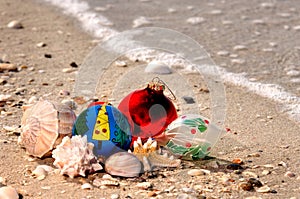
(43,126)
(74,156)
(123,164)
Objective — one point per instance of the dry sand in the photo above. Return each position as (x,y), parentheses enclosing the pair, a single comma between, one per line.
(259,135)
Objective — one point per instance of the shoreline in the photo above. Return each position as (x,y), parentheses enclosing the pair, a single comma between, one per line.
(101,28)
(256,126)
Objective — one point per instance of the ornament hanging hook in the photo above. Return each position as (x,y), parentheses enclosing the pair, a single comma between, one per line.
(157,80)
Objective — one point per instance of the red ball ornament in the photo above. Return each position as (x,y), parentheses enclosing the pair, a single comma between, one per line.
(148,111)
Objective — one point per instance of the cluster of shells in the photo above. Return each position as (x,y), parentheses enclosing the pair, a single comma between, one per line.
(46,129)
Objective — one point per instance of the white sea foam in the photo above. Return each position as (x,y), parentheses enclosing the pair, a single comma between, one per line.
(96,25)
(289,103)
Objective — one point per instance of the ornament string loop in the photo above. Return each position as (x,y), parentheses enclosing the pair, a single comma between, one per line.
(159,84)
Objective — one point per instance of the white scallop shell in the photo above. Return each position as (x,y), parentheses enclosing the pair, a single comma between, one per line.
(43,126)
(158,68)
(123,164)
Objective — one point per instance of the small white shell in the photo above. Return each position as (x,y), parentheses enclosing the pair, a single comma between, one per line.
(158,68)
(74,157)
(87,186)
(8,193)
(41,171)
(263,189)
(105,182)
(15,24)
(123,164)
(43,126)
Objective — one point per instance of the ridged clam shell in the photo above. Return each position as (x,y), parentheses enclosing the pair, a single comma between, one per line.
(123,164)
(44,125)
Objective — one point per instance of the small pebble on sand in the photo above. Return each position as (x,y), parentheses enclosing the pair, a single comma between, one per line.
(195,172)
(265,172)
(141,21)
(47,55)
(290,174)
(188,99)
(240,47)
(223,53)
(115,196)
(263,189)
(8,67)
(267,5)
(171,10)
(87,186)
(41,44)
(293,73)
(15,25)
(69,70)
(296,27)
(144,185)
(246,186)
(216,12)
(195,20)
(238,61)
(121,63)
(258,22)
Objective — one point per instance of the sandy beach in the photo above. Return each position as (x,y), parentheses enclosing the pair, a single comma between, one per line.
(264,138)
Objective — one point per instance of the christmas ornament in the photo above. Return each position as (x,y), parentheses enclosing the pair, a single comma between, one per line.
(148,110)
(190,138)
(106,127)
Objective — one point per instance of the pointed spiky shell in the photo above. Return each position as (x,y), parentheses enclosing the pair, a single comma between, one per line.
(74,156)
(43,126)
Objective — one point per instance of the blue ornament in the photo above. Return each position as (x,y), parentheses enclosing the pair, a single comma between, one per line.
(106,127)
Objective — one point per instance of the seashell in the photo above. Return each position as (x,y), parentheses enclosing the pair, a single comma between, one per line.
(158,68)
(47,168)
(123,164)
(8,67)
(8,193)
(86,186)
(195,172)
(148,154)
(105,182)
(15,24)
(74,157)
(41,171)
(43,126)
(263,189)
(195,20)
(144,185)
(3,181)
(141,21)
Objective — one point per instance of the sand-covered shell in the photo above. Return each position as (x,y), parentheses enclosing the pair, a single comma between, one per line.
(123,164)
(43,126)
(74,157)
